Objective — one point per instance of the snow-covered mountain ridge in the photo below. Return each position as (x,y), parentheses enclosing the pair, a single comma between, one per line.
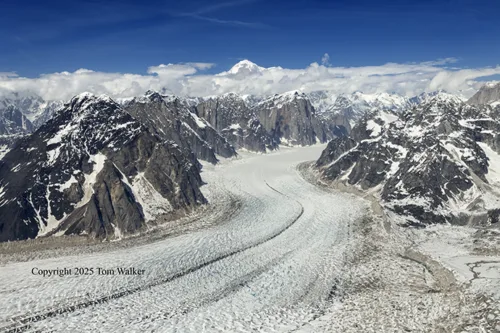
(93,170)
(434,163)
(90,141)
(338,112)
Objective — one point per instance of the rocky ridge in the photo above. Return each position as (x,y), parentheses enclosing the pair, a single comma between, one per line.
(290,118)
(173,118)
(93,170)
(233,116)
(434,163)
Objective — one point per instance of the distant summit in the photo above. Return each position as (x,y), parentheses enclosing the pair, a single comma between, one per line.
(488,94)
(245,67)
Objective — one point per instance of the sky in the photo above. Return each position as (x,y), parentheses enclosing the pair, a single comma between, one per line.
(58,48)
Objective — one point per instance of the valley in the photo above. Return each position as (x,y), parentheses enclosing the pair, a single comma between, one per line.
(295,257)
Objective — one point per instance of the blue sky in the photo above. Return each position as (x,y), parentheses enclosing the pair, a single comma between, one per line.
(120,36)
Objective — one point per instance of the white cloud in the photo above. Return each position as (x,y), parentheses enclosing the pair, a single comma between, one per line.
(247,78)
(7,74)
(179,70)
(325,60)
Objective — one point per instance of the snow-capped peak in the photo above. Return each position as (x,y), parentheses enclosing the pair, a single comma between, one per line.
(230,95)
(91,96)
(245,67)
(293,94)
(438,95)
(285,97)
(492,84)
(445,97)
(85,102)
(382,100)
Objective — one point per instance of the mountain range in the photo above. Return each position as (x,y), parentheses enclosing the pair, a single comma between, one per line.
(104,168)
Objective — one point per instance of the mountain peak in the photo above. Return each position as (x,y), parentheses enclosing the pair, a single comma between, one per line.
(153,95)
(90,96)
(488,94)
(492,84)
(446,97)
(437,95)
(245,67)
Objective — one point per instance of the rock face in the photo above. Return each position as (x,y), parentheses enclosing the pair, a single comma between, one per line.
(14,122)
(488,94)
(93,170)
(261,124)
(172,118)
(290,118)
(435,163)
(231,115)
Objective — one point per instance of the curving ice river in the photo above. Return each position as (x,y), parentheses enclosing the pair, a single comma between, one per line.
(271,267)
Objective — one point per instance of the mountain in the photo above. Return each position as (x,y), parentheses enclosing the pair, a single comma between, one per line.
(172,118)
(437,162)
(14,122)
(382,101)
(290,118)
(259,123)
(243,69)
(20,114)
(342,111)
(345,111)
(36,110)
(95,170)
(488,94)
(322,99)
(235,119)
(427,96)
(13,125)
(44,113)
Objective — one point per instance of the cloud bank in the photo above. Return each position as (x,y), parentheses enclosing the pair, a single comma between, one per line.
(188,79)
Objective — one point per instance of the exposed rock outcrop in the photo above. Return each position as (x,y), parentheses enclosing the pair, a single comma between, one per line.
(172,118)
(231,115)
(290,118)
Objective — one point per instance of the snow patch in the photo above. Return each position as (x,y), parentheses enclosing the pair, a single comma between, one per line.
(72,180)
(198,120)
(61,134)
(375,128)
(152,202)
(493,175)
(388,117)
(235,127)
(90,179)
